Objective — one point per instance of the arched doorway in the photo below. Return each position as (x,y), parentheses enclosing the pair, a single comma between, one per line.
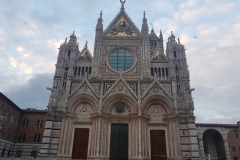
(214,145)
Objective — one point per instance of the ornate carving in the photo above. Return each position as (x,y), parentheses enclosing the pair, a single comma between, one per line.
(120,108)
(144,87)
(120,87)
(122,29)
(156,110)
(96,87)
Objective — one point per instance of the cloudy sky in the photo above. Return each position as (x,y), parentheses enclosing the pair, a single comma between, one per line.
(31,32)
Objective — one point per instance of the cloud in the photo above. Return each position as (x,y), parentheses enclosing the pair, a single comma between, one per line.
(33,94)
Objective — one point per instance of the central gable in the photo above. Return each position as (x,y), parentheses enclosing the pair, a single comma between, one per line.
(122,26)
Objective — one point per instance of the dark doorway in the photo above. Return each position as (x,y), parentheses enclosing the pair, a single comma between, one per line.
(119,142)
(158,145)
(80,143)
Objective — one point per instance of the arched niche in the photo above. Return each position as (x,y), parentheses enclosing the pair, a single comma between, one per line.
(158,103)
(83,102)
(214,145)
(120,98)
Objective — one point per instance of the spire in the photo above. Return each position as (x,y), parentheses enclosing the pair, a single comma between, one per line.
(122,8)
(86,44)
(178,40)
(66,40)
(144,24)
(153,35)
(73,37)
(160,36)
(172,37)
(99,26)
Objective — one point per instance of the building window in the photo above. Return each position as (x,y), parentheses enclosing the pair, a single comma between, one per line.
(37,138)
(34,154)
(22,137)
(25,122)
(39,123)
(8,134)
(236,134)
(6,115)
(233,149)
(175,54)
(16,121)
(235,158)
(13,136)
(18,154)
(69,54)
(1,132)
(3,152)
(12,118)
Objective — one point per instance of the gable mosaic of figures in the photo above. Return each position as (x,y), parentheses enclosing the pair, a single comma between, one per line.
(131,100)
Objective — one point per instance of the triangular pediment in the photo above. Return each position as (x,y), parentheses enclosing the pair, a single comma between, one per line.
(156,88)
(159,56)
(120,86)
(85,54)
(84,87)
(122,26)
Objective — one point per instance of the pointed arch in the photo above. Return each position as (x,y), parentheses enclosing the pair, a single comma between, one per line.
(120,98)
(82,98)
(158,99)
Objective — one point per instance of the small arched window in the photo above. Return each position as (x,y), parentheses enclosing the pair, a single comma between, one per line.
(22,137)
(2,131)
(166,72)
(152,71)
(69,53)
(79,70)
(25,122)
(90,70)
(163,73)
(175,54)
(40,123)
(75,71)
(82,70)
(37,138)
(159,71)
(8,134)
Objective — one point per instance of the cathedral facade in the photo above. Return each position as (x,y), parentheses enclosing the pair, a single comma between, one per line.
(130,100)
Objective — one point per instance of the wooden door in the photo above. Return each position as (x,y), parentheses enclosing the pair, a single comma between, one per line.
(80,143)
(158,145)
(119,142)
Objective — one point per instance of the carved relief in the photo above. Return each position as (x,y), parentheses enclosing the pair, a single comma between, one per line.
(167,87)
(96,87)
(144,87)
(132,86)
(108,86)
(120,108)
(156,110)
(121,29)
(156,114)
(84,111)
(74,86)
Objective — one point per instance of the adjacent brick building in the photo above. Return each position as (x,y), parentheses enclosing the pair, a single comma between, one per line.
(21,130)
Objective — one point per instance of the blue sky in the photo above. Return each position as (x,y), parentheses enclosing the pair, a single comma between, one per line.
(31,32)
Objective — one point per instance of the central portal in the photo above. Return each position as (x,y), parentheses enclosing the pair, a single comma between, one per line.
(119,142)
